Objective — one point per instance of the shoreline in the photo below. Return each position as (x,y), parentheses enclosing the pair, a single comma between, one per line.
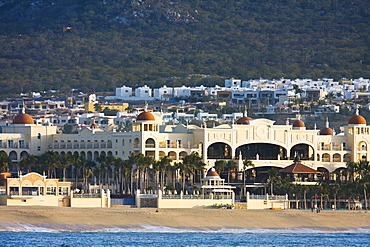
(93,218)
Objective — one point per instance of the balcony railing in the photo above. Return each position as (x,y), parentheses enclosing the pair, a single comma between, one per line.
(15,145)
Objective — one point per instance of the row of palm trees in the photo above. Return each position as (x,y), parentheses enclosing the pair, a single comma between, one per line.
(143,172)
(326,193)
(137,172)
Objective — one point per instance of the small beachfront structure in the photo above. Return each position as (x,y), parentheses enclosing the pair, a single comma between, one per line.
(214,192)
(33,189)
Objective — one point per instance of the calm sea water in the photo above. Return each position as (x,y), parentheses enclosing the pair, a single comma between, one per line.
(146,235)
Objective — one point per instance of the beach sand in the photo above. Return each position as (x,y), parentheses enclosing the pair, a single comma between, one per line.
(184,217)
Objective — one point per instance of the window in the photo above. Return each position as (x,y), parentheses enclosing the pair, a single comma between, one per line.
(51,191)
(63,191)
(30,191)
(13,191)
(38,148)
(21,144)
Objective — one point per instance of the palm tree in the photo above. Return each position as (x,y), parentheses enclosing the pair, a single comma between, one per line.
(351,169)
(174,168)
(66,161)
(141,163)
(330,96)
(106,167)
(335,190)
(220,166)
(186,171)
(246,163)
(195,163)
(230,166)
(87,172)
(117,165)
(164,164)
(98,107)
(27,163)
(274,177)
(5,161)
(126,169)
(50,160)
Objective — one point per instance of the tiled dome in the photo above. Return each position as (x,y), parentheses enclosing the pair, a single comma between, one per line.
(357,119)
(23,118)
(299,124)
(94,126)
(243,120)
(326,131)
(212,173)
(145,116)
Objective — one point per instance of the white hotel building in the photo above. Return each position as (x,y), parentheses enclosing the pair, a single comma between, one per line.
(260,140)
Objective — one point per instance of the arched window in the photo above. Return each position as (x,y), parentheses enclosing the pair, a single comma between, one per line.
(150,143)
(326,158)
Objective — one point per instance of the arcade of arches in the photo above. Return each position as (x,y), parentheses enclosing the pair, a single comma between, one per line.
(261,151)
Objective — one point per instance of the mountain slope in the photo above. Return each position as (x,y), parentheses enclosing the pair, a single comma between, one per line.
(99,45)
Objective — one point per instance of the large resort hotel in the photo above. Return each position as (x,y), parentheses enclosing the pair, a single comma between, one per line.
(259,140)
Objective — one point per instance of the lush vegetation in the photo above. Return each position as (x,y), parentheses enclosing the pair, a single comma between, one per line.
(143,172)
(137,172)
(99,45)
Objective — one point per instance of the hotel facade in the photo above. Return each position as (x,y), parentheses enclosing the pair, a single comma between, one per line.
(259,140)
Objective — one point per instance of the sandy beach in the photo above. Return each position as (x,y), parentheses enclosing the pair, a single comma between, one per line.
(184,217)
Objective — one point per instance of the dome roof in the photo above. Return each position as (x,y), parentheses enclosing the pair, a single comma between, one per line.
(326,131)
(23,118)
(357,119)
(145,116)
(212,173)
(299,124)
(94,126)
(243,120)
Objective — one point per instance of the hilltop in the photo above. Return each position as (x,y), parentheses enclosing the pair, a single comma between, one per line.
(98,45)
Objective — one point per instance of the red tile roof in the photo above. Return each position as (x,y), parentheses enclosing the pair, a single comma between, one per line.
(298,168)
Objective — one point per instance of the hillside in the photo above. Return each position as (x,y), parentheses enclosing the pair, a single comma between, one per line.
(99,45)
